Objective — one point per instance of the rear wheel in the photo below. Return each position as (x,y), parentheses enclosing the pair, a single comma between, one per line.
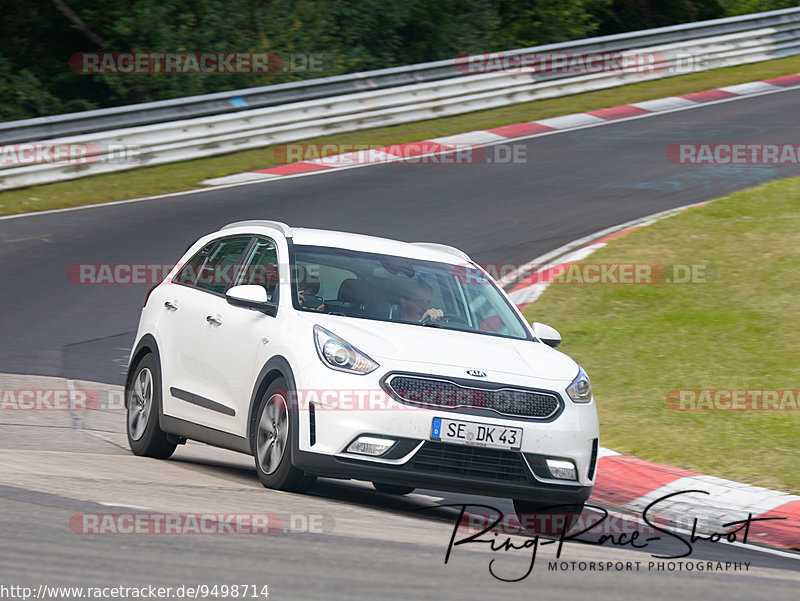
(273,442)
(393,489)
(143,398)
(544,517)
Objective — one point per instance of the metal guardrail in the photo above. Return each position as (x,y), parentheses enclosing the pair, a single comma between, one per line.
(189,128)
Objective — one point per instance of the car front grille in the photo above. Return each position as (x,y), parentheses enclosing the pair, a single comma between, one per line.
(472,462)
(447,394)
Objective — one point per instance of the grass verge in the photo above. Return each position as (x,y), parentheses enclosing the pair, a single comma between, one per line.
(737,331)
(175,177)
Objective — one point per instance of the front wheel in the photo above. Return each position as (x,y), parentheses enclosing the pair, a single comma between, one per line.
(273,442)
(143,400)
(551,518)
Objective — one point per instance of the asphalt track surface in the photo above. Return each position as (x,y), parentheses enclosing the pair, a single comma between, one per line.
(374,546)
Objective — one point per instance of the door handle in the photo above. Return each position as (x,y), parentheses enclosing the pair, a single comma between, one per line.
(171,305)
(214,320)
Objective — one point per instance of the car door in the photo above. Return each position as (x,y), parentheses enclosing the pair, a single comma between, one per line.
(232,346)
(187,317)
(177,330)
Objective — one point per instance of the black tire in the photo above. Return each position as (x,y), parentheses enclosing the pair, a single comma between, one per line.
(393,489)
(143,401)
(547,518)
(273,434)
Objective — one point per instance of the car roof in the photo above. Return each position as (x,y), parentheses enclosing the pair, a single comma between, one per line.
(426,251)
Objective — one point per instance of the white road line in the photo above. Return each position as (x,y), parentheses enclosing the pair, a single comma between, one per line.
(137,507)
(574,121)
(77,418)
(664,104)
(478,137)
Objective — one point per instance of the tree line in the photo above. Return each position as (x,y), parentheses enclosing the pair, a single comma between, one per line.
(38,37)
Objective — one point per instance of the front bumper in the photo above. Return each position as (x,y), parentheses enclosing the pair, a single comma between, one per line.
(326,432)
(448,474)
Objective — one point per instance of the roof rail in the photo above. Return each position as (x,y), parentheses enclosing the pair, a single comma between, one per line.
(275,225)
(444,247)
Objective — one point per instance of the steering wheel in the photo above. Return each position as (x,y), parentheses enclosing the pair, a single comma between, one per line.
(446,318)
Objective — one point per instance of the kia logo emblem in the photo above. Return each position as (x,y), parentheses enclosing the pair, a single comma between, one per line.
(477,373)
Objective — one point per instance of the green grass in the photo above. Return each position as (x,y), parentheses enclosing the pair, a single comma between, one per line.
(147,181)
(737,331)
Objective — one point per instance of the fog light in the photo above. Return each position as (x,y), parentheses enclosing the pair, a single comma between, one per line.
(369,445)
(563,470)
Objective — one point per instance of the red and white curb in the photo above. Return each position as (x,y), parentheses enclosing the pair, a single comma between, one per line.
(718,505)
(415,151)
(633,483)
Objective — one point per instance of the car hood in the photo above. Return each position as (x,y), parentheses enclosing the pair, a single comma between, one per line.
(437,346)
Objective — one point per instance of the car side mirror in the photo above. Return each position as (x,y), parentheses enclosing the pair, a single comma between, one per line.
(251,296)
(546,334)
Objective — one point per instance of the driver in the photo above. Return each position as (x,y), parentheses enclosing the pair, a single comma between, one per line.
(415,303)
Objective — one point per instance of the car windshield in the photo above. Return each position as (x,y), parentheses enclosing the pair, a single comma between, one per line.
(400,289)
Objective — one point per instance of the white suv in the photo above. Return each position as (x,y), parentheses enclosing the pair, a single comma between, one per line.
(330,354)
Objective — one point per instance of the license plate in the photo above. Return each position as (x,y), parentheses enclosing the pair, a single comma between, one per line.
(476,435)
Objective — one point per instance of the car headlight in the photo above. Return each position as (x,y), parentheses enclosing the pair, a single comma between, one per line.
(338,354)
(580,390)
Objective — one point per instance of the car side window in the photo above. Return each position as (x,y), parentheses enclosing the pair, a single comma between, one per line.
(223,263)
(188,273)
(261,266)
